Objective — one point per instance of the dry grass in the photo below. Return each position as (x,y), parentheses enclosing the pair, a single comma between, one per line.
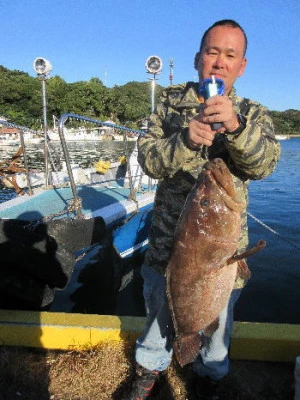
(103,373)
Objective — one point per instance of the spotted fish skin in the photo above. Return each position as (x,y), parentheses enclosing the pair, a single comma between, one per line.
(199,278)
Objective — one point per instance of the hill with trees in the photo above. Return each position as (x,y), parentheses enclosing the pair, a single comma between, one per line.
(21,101)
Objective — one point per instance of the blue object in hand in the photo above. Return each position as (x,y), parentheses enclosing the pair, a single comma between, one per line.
(211,87)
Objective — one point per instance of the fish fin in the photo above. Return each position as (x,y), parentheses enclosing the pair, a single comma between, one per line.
(211,328)
(243,271)
(260,245)
(187,348)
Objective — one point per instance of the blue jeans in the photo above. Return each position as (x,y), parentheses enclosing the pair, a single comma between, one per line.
(154,348)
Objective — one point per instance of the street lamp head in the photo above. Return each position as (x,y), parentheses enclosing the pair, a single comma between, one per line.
(42,66)
(154,65)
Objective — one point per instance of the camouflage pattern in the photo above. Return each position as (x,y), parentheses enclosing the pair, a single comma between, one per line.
(165,155)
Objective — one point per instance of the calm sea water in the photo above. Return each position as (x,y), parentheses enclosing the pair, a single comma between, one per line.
(272,294)
(83,153)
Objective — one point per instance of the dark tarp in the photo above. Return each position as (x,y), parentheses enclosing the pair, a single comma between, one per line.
(37,257)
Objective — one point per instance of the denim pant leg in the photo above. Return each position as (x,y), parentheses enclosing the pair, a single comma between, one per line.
(154,347)
(213,360)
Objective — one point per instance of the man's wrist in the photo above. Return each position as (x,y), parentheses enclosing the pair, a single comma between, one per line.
(241,126)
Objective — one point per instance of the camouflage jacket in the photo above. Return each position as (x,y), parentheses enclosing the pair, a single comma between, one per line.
(165,155)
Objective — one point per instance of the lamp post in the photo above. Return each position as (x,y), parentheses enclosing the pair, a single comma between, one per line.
(153,66)
(42,67)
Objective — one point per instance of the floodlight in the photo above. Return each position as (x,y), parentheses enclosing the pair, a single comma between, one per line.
(154,65)
(42,66)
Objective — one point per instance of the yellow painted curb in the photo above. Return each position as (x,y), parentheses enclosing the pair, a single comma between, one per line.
(265,341)
(66,331)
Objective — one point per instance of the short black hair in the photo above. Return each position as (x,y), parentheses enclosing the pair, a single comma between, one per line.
(224,22)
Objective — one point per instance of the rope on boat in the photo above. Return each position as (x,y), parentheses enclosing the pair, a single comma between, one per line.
(72,208)
(273,231)
(10,167)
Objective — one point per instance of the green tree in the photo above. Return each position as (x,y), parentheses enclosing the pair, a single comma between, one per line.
(57,90)
(17,96)
(132,101)
(87,98)
(21,101)
(286,122)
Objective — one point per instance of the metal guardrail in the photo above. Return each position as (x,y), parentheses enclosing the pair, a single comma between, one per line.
(61,125)
(63,119)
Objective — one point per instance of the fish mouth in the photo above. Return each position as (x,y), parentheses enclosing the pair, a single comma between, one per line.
(213,163)
(217,173)
(216,168)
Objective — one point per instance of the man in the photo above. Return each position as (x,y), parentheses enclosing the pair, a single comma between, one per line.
(181,140)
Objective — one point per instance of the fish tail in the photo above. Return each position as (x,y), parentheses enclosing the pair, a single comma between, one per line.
(187,348)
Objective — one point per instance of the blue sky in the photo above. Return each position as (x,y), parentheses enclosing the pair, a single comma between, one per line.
(111,40)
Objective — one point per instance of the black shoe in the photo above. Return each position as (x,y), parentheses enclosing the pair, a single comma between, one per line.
(207,389)
(143,384)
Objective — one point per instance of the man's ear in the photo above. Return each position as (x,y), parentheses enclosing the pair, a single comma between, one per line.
(243,66)
(196,60)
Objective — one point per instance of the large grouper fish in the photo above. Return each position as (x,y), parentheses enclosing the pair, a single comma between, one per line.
(204,263)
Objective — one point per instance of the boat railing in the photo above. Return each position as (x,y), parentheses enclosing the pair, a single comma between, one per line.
(61,127)
(61,130)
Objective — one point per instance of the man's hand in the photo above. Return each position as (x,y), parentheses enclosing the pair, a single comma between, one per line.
(200,133)
(220,109)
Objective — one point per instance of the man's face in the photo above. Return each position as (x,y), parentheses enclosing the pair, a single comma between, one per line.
(223,55)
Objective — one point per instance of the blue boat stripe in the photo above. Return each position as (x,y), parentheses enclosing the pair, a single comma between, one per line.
(129,251)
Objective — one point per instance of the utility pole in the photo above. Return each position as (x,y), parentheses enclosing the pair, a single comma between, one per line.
(171,71)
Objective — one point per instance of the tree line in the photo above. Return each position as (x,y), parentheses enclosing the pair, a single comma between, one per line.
(21,101)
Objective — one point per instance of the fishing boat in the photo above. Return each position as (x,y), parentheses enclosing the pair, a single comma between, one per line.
(83,134)
(52,228)
(282,137)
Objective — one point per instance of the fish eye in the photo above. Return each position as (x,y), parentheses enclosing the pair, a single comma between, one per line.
(204,202)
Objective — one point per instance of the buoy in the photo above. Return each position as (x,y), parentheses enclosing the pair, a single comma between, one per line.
(122,160)
(102,166)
